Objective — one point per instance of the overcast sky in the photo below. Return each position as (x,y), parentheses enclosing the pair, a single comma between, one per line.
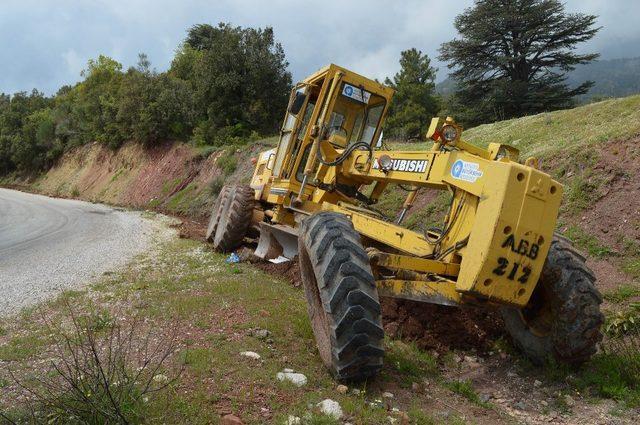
(45,44)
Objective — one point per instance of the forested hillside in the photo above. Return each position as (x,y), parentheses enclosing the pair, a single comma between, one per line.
(224,83)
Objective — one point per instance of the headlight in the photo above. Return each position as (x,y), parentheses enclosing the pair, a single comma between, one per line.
(449,133)
(385,163)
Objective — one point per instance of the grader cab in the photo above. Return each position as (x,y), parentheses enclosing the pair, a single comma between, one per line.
(313,197)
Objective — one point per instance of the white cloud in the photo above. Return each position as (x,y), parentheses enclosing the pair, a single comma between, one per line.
(75,64)
(47,43)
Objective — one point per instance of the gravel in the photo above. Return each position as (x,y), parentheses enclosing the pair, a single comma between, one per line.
(49,245)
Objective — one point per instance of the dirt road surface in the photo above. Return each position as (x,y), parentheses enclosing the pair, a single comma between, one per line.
(48,245)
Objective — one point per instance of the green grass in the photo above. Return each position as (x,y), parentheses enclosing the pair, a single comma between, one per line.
(622,293)
(21,347)
(466,390)
(588,242)
(409,361)
(544,134)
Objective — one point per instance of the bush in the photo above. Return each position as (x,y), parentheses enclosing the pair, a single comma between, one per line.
(101,371)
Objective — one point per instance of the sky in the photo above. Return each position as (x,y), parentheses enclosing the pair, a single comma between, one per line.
(46,44)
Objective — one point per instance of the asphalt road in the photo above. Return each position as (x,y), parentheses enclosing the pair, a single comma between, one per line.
(48,245)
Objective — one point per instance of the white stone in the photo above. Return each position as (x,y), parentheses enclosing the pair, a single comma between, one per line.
(293,420)
(163,379)
(251,355)
(387,395)
(330,408)
(392,420)
(537,383)
(287,370)
(297,379)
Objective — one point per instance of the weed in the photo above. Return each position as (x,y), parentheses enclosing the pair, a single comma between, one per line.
(632,267)
(588,242)
(465,389)
(622,293)
(205,151)
(94,379)
(20,347)
(215,186)
(75,192)
(410,361)
(228,161)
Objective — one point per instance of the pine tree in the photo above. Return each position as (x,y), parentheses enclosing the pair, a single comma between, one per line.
(414,103)
(512,57)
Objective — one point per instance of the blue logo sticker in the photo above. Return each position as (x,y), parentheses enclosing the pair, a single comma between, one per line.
(456,170)
(348,90)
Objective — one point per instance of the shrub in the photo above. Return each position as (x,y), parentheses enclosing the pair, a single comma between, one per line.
(101,371)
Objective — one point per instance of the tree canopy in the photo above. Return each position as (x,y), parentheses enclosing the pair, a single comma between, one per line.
(224,83)
(414,103)
(512,55)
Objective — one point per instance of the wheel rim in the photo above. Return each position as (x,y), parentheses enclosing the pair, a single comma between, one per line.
(317,315)
(538,315)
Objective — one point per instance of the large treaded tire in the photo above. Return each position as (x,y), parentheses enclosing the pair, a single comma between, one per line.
(342,297)
(235,218)
(573,326)
(216,212)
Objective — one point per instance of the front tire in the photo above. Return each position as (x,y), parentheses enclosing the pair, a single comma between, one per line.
(562,320)
(341,296)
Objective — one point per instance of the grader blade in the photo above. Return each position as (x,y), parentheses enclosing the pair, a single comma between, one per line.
(276,240)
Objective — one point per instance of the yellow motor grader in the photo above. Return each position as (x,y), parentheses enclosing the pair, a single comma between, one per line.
(313,195)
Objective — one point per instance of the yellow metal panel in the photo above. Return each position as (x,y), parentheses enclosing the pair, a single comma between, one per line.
(443,292)
(405,262)
(512,232)
(403,239)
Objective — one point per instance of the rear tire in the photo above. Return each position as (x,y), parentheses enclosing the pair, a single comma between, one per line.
(216,212)
(235,218)
(341,296)
(562,320)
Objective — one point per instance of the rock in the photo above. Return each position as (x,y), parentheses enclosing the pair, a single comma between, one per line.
(537,383)
(456,358)
(342,389)
(387,395)
(355,391)
(261,333)
(544,403)
(293,420)
(297,379)
(569,400)
(160,378)
(512,374)
(231,420)
(287,370)
(330,408)
(484,398)
(470,359)
(403,417)
(520,406)
(251,355)
(392,420)
(416,388)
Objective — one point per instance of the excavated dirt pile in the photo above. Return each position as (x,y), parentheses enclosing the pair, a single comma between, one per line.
(441,328)
(432,327)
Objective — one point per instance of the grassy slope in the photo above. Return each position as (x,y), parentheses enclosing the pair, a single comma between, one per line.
(549,133)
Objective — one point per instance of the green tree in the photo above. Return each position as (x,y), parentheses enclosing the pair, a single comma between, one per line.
(414,103)
(240,80)
(512,56)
